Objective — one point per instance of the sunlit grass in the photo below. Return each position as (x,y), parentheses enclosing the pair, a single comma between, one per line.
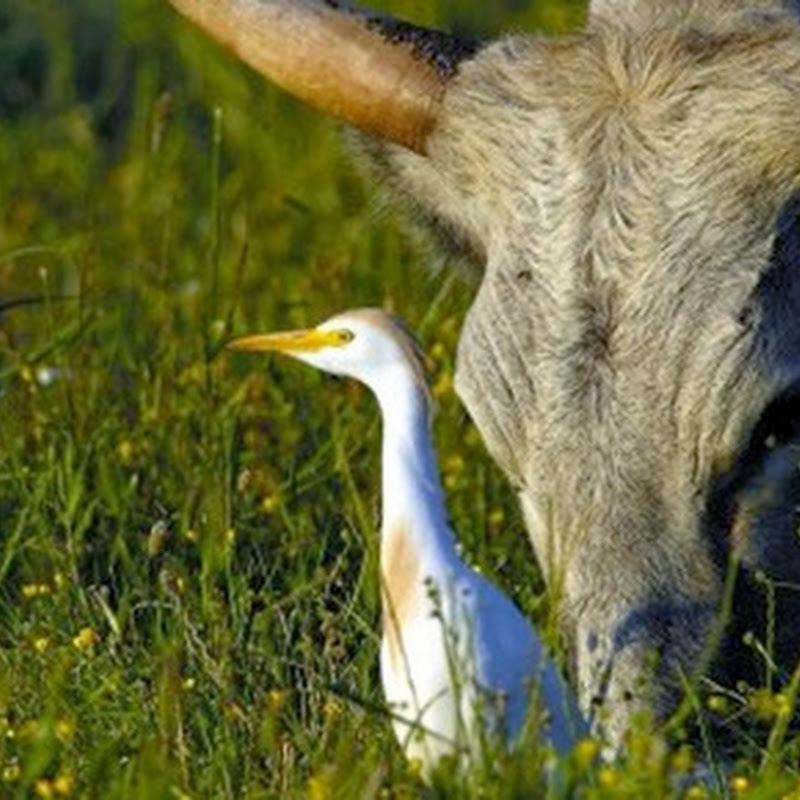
(188,557)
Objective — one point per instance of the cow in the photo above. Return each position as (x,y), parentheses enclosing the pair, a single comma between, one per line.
(630,194)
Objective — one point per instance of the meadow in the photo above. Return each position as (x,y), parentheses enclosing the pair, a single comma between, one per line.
(188,552)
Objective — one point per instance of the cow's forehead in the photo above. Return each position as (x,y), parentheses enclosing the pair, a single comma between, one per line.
(628,196)
(535,131)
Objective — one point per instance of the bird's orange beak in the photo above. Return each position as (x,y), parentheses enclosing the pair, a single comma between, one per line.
(300,341)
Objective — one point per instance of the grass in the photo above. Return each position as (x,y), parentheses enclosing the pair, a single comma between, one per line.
(188,559)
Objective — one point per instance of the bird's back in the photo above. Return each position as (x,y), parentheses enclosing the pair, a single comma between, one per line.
(511,658)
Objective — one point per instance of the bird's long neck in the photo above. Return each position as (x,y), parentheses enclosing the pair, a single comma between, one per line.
(411,489)
(416,542)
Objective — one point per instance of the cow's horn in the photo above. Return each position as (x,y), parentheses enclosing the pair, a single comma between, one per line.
(384,76)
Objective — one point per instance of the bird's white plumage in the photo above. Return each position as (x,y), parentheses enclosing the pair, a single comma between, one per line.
(458,659)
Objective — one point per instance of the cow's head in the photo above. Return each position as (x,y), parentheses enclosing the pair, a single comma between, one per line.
(632,355)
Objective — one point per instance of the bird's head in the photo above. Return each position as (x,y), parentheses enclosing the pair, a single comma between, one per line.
(367,344)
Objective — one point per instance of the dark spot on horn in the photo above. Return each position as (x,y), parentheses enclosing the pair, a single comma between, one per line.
(443,51)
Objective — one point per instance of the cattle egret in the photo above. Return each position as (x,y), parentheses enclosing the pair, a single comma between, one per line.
(458,659)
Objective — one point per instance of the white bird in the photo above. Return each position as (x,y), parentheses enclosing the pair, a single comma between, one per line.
(458,660)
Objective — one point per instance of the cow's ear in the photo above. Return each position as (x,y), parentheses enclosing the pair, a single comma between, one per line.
(382,75)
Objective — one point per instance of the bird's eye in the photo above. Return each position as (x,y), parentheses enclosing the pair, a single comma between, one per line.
(344,336)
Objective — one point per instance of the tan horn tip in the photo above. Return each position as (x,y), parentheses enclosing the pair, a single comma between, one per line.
(382,75)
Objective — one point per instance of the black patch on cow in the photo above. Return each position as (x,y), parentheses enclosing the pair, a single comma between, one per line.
(443,51)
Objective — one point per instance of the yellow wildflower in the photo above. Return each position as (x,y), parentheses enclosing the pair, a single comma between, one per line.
(87,637)
(586,751)
(496,518)
(783,705)
(718,704)
(126,451)
(30,590)
(11,772)
(762,704)
(195,373)
(448,329)
(41,643)
(332,708)
(270,503)
(64,729)
(443,385)
(472,438)
(415,767)
(277,698)
(64,785)
(683,759)
(438,351)
(452,468)
(607,778)
(454,464)
(322,785)
(44,788)
(739,784)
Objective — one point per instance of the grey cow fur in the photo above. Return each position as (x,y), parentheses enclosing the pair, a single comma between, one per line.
(630,354)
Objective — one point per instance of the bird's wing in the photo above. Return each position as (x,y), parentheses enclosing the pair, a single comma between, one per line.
(509,656)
